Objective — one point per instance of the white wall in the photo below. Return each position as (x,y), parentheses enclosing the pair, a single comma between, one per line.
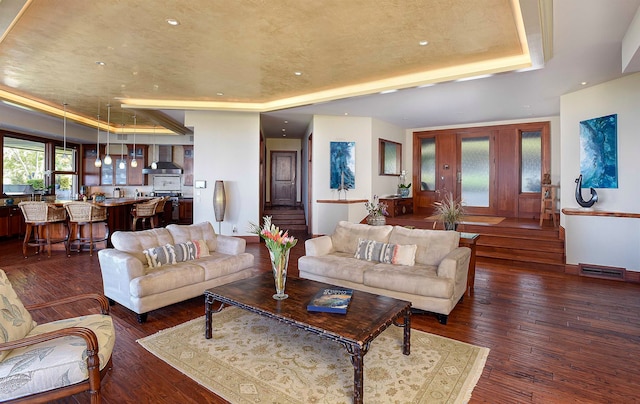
(603,240)
(365,132)
(226,147)
(385,185)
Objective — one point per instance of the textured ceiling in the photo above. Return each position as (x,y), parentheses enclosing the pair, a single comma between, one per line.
(243,55)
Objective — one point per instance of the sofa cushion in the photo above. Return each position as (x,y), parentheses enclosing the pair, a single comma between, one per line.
(135,242)
(202,231)
(433,245)
(345,237)
(336,265)
(217,264)
(371,250)
(55,363)
(170,277)
(15,320)
(420,280)
(161,255)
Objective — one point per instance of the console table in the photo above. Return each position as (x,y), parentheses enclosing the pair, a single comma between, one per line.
(469,240)
(398,206)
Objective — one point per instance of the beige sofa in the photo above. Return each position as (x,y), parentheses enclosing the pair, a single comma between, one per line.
(180,262)
(425,267)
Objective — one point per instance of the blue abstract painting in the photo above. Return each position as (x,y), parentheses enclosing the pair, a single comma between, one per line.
(599,152)
(343,164)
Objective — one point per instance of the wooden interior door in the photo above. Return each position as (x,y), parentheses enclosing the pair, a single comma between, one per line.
(283,178)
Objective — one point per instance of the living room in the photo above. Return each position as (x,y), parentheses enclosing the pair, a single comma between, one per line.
(520,310)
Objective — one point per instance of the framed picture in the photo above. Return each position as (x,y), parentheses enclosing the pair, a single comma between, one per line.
(343,165)
(390,157)
(599,152)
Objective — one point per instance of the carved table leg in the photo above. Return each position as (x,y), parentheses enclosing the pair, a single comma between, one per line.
(406,345)
(357,359)
(207,317)
(208,312)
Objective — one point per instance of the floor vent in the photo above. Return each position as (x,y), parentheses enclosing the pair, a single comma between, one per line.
(598,271)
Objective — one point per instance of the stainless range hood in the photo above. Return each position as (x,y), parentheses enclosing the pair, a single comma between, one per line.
(164,165)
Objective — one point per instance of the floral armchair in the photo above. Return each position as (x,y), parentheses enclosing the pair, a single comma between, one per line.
(43,362)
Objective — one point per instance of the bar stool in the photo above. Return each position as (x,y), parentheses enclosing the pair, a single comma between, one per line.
(144,211)
(159,216)
(39,217)
(83,215)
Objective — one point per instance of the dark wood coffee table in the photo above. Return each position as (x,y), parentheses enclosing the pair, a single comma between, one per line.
(368,315)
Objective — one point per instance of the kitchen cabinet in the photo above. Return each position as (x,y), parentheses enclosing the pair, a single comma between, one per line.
(4,222)
(11,221)
(135,176)
(185,208)
(112,174)
(106,173)
(120,167)
(188,166)
(90,173)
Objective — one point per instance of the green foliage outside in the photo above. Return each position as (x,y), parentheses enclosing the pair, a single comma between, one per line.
(23,167)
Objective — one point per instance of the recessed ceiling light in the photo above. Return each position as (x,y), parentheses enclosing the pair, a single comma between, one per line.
(284,130)
(298,73)
(220,94)
(423,43)
(286,121)
(388,91)
(584,83)
(99,63)
(172,21)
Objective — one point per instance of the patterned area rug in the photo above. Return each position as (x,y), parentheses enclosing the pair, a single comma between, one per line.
(253,359)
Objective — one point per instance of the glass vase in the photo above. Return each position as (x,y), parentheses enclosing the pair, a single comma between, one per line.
(279,264)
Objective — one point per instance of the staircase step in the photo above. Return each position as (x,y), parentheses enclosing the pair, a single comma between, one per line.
(288,219)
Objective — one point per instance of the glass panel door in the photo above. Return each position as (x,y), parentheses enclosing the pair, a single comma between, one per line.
(474,174)
(428,164)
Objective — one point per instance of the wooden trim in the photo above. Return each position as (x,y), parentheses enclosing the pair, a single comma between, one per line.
(341,201)
(604,213)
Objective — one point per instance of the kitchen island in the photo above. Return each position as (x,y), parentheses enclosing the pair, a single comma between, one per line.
(118,216)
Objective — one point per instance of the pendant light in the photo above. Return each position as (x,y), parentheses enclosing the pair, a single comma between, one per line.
(134,162)
(98,162)
(107,157)
(154,164)
(122,165)
(64,132)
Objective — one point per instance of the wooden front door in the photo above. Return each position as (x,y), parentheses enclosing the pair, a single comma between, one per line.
(283,178)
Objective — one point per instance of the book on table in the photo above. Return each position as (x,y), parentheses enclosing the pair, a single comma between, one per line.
(331,300)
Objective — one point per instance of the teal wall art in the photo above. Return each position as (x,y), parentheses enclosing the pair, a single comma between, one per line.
(343,165)
(599,152)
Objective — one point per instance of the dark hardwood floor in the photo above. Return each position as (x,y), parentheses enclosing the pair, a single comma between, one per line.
(554,338)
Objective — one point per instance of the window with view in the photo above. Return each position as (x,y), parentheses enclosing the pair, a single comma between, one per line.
(23,166)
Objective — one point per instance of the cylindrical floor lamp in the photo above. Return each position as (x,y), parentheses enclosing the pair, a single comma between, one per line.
(219,203)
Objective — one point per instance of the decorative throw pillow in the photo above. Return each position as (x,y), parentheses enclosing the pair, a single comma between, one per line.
(15,320)
(185,251)
(202,249)
(159,256)
(371,250)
